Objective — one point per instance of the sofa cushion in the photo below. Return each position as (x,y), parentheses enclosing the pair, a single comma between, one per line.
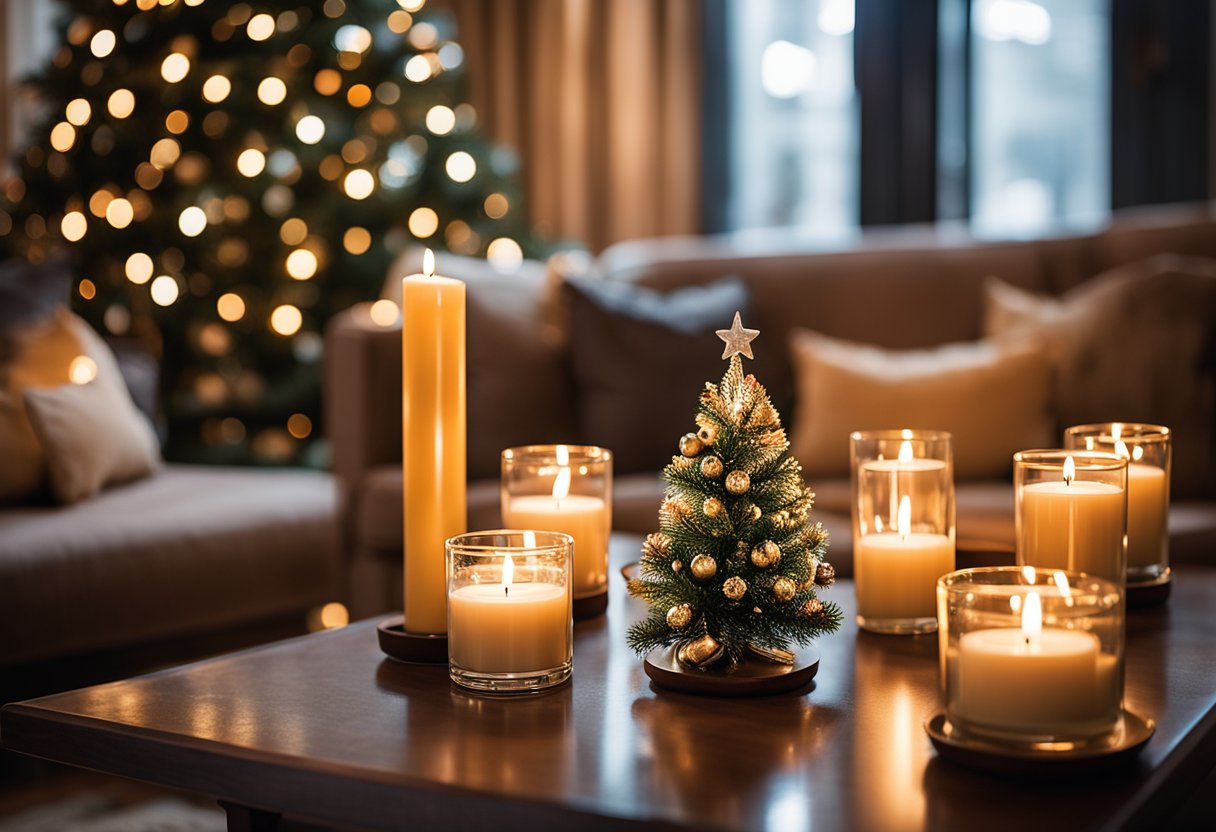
(1137,343)
(993,399)
(379,523)
(90,430)
(640,359)
(185,551)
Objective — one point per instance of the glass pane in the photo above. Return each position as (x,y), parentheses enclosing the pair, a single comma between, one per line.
(794,117)
(1040,115)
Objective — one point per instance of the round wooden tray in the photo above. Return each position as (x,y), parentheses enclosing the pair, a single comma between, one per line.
(1128,738)
(592,606)
(397,644)
(750,677)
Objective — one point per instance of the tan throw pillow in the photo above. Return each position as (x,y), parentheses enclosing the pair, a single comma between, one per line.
(41,354)
(994,400)
(90,430)
(1135,343)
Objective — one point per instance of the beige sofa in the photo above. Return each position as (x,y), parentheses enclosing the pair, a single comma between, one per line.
(523,387)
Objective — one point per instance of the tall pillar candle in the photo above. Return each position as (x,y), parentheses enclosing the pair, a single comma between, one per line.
(432,439)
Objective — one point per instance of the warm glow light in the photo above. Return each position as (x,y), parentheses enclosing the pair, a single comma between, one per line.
(300,426)
(82,370)
(496,206)
(1116,431)
(561,483)
(1070,470)
(63,136)
(175,67)
(356,240)
(1137,453)
(360,95)
(440,120)
(423,222)
(164,153)
(286,319)
(508,573)
(1032,618)
(139,268)
(87,290)
(260,27)
(411,5)
(177,122)
(428,263)
(301,264)
(216,88)
(1062,584)
(333,614)
(310,129)
(359,184)
(192,221)
(164,290)
(121,103)
(903,522)
(272,91)
(230,306)
(905,451)
(251,162)
(74,225)
(461,166)
(119,213)
(384,312)
(102,43)
(1029,575)
(505,255)
(351,38)
(1121,449)
(78,111)
(418,69)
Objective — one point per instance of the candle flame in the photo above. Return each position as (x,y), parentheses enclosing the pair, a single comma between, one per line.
(561,484)
(1032,617)
(1028,575)
(1015,603)
(906,433)
(905,451)
(428,263)
(508,574)
(1062,584)
(1137,452)
(1070,470)
(904,522)
(1121,449)
(1116,431)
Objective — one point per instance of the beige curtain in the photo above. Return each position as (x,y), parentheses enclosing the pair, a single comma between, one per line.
(601,99)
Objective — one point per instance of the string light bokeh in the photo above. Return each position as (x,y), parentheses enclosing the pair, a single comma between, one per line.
(226,176)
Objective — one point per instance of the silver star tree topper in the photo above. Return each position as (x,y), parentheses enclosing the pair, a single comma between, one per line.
(738,339)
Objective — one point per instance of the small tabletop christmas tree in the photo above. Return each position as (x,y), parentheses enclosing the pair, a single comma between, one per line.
(734,568)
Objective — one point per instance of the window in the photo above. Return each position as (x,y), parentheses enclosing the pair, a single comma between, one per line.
(1040,155)
(793,144)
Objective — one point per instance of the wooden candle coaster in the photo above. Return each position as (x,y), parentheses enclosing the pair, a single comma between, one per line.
(750,677)
(397,644)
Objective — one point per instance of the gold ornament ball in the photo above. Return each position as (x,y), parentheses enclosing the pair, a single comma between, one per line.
(783,588)
(812,607)
(766,554)
(825,574)
(734,588)
(737,482)
(754,512)
(676,566)
(704,567)
(708,434)
(690,445)
(711,467)
(712,507)
(679,616)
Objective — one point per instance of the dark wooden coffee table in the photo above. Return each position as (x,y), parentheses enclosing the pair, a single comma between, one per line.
(325,729)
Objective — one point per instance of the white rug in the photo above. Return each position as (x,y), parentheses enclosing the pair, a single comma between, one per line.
(96,813)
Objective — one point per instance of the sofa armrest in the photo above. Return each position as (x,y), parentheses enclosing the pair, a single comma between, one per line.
(362,394)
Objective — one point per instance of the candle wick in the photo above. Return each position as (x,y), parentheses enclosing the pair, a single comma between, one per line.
(506,591)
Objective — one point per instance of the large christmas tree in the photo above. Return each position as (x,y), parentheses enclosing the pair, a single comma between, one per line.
(735,566)
(226,176)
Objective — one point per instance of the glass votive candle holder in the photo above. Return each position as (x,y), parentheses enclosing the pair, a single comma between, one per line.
(510,626)
(1031,656)
(1147,451)
(903,526)
(565,488)
(1070,511)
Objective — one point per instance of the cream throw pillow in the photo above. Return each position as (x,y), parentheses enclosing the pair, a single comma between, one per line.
(1135,343)
(994,400)
(90,431)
